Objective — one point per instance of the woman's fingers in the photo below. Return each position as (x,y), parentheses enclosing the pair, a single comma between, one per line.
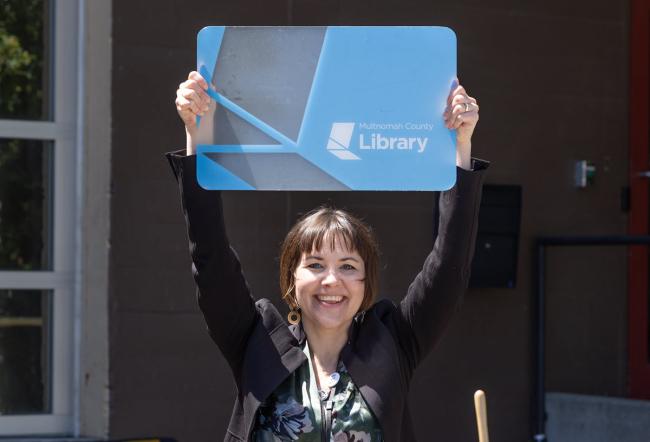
(463,98)
(186,100)
(192,100)
(200,86)
(192,85)
(187,109)
(195,76)
(461,105)
(199,104)
(460,112)
(459,117)
(456,92)
(460,108)
(470,118)
(460,97)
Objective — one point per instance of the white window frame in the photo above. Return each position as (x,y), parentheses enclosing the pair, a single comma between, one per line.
(64,278)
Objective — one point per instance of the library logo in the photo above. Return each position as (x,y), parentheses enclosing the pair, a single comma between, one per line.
(338,143)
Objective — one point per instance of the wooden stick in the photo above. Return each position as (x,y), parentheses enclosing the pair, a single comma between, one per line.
(481,416)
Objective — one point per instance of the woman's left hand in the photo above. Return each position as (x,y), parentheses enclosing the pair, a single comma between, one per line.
(461,114)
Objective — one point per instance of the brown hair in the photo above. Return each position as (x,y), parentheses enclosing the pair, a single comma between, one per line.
(329,224)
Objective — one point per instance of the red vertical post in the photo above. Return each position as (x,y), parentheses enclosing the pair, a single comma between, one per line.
(638,325)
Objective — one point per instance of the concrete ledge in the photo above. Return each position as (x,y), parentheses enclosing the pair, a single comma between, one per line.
(578,418)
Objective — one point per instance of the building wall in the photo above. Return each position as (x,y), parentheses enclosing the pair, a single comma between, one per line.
(551,79)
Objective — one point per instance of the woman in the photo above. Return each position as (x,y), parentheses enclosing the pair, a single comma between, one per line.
(342,370)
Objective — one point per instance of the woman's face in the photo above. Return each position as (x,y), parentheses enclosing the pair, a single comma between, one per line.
(330,287)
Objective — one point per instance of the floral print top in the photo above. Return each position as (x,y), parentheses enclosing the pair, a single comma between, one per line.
(297,411)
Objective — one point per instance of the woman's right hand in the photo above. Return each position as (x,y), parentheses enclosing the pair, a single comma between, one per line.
(192,100)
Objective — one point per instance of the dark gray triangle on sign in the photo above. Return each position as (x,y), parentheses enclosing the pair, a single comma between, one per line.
(267,71)
(268,171)
(231,129)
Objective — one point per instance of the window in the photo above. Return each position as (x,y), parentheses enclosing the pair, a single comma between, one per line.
(38,214)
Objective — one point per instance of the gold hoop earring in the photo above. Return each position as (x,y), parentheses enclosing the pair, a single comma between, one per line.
(294,317)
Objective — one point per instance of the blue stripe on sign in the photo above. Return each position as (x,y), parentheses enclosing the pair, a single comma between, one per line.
(248,148)
(289,144)
(208,45)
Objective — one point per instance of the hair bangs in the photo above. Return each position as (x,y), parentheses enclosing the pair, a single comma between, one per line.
(327,230)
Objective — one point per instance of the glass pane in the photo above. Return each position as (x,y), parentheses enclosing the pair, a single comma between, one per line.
(24,59)
(25,204)
(25,351)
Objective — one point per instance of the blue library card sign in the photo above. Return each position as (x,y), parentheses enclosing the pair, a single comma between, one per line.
(326,108)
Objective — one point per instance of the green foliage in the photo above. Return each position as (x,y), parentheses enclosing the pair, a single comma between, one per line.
(22,58)
(15,72)
(24,166)
(23,220)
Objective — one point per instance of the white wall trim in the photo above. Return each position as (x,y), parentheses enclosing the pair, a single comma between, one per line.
(34,130)
(92,410)
(36,280)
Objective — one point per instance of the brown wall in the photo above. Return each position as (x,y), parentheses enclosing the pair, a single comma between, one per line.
(551,78)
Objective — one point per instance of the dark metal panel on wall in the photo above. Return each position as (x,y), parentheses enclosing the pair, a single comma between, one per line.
(497,241)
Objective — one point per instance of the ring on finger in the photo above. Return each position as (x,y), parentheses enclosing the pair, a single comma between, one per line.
(466,107)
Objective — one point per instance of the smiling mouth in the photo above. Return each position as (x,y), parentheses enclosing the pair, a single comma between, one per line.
(330,299)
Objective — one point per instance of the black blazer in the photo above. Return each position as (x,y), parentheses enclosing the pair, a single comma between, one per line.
(386,343)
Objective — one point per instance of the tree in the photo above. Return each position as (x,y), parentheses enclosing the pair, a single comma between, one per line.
(23,203)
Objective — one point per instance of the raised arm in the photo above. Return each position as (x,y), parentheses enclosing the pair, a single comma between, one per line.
(223,294)
(436,292)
